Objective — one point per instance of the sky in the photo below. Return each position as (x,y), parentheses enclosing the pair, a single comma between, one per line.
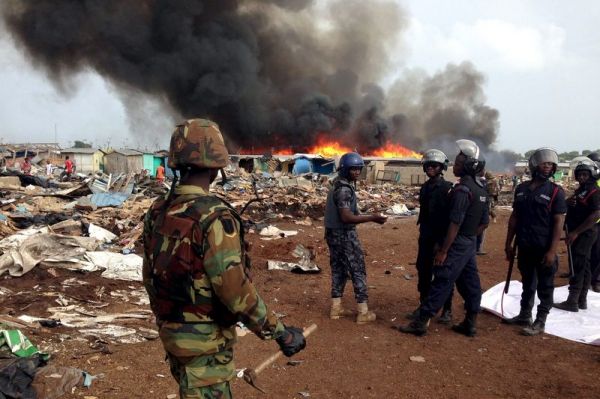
(540,59)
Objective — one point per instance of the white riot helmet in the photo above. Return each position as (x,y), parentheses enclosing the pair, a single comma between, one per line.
(584,163)
(540,156)
(434,156)
(470,150)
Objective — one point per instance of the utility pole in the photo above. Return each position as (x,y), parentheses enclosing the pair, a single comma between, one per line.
(55,142)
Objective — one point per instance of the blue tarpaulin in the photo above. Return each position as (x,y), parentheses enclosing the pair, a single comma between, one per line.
(108,199)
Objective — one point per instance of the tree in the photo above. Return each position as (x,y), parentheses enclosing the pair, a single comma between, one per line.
(529,153)
(81,144)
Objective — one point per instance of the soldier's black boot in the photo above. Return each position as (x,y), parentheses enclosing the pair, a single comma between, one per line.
(522,319)
(537,327)
(571,304)
(468,325)
(416,327)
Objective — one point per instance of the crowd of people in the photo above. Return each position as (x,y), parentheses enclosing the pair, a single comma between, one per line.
(196,265)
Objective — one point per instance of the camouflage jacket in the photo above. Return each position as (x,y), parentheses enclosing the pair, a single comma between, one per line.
(195,275)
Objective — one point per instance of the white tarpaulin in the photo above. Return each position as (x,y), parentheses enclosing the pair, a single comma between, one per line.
(582,326)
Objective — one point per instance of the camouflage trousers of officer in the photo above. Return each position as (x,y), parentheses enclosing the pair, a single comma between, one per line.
(192,372)
(347,259)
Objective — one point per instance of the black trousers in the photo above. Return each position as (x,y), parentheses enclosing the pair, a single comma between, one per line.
(535,276)
(595,258)
(581,250)
(425,270)
(460,268)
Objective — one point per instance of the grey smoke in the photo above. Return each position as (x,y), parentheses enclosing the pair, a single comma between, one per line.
(269,72)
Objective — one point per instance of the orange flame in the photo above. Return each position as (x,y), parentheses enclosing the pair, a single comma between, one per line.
(328,148)
(393,150)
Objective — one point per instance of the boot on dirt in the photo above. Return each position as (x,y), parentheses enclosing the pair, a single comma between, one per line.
(364,315)
(446,317)
(337,311)
(416,327)
(522,319)
(571,304)
(413,315)
(536,328)
(468,325)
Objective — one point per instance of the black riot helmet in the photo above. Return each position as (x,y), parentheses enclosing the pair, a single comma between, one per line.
(540,156)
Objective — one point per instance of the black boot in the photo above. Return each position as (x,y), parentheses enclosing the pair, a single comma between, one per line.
(468,325)
(582,302)
(413,315)
(522,319)
(446,317)
(571,304)
(416,327)
(536,328)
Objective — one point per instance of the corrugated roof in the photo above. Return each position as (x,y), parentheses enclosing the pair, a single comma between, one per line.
(80,150)
(128,152)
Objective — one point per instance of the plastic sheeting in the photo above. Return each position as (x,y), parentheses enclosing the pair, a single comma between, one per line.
(109,199)
(582,326)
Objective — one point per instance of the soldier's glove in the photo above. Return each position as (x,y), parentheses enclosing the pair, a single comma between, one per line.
(291,341)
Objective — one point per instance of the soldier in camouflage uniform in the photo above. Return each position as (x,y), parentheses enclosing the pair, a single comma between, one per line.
(345,252)
(195,271)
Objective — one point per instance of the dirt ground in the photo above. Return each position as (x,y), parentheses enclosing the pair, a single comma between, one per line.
(342,359)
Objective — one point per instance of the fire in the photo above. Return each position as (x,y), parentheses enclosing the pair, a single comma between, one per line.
(329,148)
(393,150)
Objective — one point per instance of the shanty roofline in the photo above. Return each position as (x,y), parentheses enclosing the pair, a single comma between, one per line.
(31,146)
(523,164)
(128,152)
(79,150)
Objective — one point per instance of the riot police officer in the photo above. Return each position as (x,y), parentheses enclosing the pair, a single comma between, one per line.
(345,252)
(582,215)
(195,270)
(595,258)
(537,218)
(455,261)
(434,201)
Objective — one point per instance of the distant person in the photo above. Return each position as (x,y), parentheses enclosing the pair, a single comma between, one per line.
(26,167)
(66,175)
(346,256)
(160,173)
(49,169)
(514,179)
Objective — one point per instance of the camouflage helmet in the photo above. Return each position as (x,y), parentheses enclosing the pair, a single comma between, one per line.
(198,143)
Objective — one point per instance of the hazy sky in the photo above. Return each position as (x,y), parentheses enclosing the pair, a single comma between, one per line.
(541,60)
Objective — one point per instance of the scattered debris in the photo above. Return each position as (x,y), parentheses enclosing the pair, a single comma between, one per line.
(417,359)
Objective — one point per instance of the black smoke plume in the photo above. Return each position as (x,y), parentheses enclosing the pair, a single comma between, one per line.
(271,73)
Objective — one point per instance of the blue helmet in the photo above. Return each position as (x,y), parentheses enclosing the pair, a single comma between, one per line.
(350,160)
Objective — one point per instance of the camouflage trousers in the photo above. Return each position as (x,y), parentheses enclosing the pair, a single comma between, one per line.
(347,260)
(192,373)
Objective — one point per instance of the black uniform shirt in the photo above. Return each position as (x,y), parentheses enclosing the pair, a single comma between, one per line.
(588,201)
(434,202)
(535,210)
(460,203)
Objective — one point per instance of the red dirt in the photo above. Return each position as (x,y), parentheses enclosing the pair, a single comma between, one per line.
(342,359)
